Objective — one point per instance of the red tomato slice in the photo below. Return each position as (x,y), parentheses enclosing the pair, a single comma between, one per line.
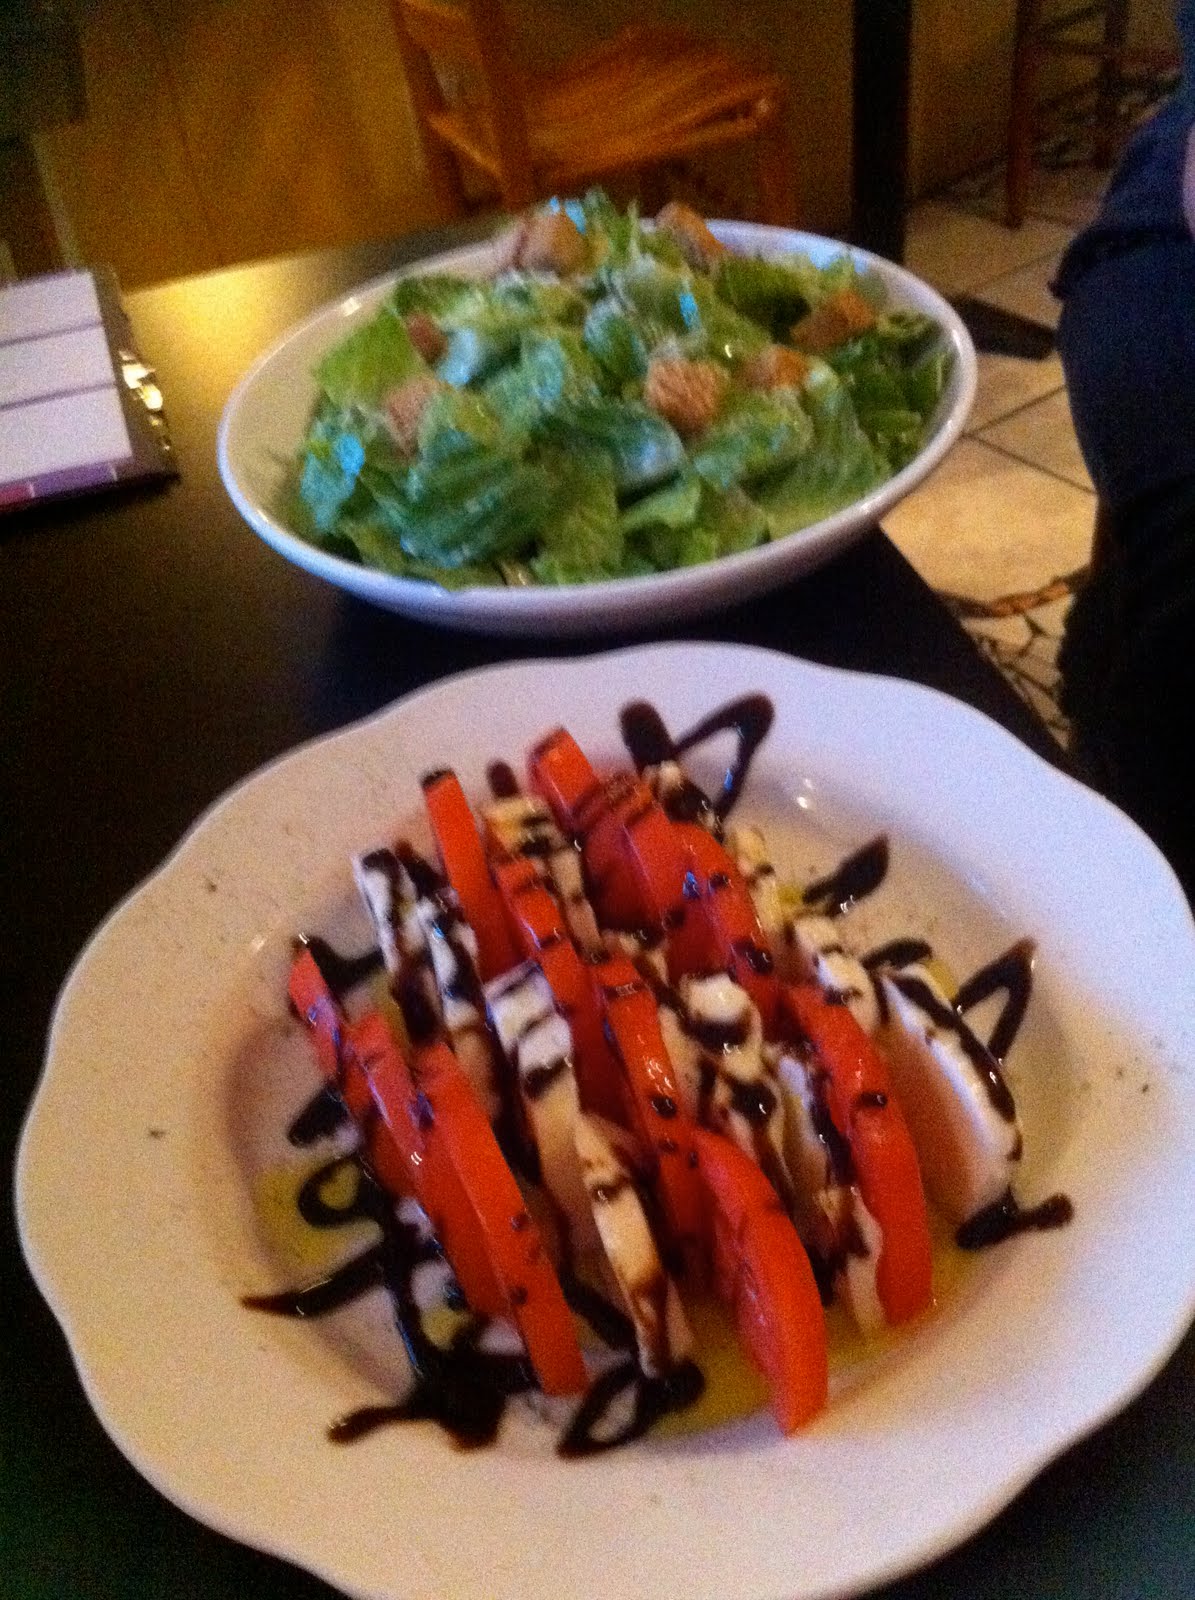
(763,1273)
(864,1109)
(726,934)
(653,1097)
(631,887)
(465,865)
(645,868)
(561,774)
(491,1209)
(541,933)
(318,1008)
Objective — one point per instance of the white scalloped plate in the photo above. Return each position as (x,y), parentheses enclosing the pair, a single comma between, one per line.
(173,1070)
(267,414)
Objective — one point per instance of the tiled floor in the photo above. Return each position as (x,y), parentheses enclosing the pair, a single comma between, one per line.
(1004,525)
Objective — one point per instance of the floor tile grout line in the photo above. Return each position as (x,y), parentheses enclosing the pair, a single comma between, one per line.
(974,432)
(989,283)
(1024,461)
(986,283)
(1053,218)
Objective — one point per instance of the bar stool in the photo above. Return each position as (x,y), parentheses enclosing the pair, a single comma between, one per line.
(1070,31)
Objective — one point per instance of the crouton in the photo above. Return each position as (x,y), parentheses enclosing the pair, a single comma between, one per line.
(776,367)
(405,407)
(698,245)
(426,335)
(552,242)
(839,318)
(688,394)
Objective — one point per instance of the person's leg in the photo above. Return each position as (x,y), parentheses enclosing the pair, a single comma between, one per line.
(1127,340)
(1126,336)
(1128,664)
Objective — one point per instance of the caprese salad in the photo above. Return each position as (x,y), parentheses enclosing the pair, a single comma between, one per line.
(602,1061)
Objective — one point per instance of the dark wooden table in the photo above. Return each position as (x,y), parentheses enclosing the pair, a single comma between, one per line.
(152,652)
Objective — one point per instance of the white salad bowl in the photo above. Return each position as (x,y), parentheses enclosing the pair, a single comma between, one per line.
(266,418)
(148,1174)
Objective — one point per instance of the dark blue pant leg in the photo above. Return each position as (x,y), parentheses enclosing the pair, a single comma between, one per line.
(1127,340)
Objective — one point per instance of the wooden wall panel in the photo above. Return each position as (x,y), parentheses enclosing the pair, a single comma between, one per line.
(123,174)
(222,130)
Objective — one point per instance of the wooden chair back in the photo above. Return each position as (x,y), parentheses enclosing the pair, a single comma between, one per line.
(466,43)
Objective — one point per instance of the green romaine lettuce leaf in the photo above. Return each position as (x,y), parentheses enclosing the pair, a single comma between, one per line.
(456,421)
(771,293)
(341,443)
(643,448)
(895,374)
(581,537)
(674,506)
(755,434)
(378,546)
(373,359)
(476,506)
(840,466)
(690,521)
(614,341)
(437,293)
(614,236)
(554,369)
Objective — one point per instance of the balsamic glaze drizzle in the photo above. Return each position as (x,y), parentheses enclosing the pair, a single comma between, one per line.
(653,1399)
(897,953)
(1011,972)
(943,1015)
(462,1388)
(1005,1217)
(853,879)
(340,972)
(320,1117)
(649,743)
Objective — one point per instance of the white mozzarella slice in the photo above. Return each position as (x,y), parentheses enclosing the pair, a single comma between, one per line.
(830,1214)
(523,825)
(855,1282)
(564,867)
(805,946)
(428,936)
(679,795)
(822,958)
(750,854)
(960,1111)
(685,1055)
(662,1332)
(389,897)
(537,1040)
(742,1099)
(805,1151)
(451,947)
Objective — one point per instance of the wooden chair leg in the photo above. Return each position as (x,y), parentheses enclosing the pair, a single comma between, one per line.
(774,172)
(444,178)
(443,173)
(1020,120)
(1107,100)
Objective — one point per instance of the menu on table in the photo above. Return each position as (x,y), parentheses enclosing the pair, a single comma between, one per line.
(78,408)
